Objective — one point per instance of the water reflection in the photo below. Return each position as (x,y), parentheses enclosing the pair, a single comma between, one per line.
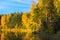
(8,34)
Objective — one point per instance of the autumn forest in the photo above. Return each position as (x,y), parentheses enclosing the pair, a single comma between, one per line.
(41,23)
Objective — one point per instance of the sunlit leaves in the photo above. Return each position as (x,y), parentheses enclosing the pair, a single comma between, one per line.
(3,20)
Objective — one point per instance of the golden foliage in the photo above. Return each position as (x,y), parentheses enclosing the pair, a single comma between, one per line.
(16,26)
(57,3)
(3,20)
(32,8)
(40,3)
(32,13)
(45,12)
(8,17)
(24,19)
(2,36)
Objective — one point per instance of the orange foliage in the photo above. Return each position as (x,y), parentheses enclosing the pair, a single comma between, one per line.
(3,20)
(2,36)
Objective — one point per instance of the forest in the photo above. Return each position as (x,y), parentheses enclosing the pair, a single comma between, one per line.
(41,23)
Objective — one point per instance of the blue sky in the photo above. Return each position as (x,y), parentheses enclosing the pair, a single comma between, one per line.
(10,6)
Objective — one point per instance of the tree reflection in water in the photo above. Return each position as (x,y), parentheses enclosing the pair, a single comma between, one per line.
(8,34)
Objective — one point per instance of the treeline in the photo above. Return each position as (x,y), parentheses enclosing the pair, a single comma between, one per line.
(45,16)
(49,13)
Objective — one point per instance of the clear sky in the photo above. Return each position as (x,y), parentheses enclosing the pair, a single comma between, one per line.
(10,6)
